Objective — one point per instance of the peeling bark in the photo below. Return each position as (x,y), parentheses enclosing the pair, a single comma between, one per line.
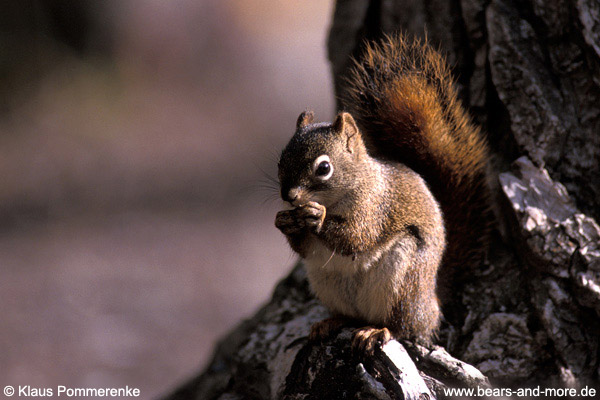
(562,248)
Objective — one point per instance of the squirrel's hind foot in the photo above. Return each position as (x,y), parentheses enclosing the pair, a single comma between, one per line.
(365,339)
(324,329)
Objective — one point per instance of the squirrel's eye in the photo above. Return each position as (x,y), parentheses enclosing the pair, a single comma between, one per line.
(323,168)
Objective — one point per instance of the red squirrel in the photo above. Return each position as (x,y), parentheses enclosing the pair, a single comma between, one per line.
(390,193)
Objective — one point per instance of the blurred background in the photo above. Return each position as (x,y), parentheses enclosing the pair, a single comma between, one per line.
(136,221)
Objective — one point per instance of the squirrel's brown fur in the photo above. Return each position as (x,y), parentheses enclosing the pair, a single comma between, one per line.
(367,191)
(404,100)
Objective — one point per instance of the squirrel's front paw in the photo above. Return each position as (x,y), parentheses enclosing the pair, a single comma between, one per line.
(287,222)
(311,215)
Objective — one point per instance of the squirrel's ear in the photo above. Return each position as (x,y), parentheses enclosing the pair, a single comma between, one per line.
(304,119)
(345,125)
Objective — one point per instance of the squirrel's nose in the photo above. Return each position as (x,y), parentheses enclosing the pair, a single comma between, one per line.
(290,195)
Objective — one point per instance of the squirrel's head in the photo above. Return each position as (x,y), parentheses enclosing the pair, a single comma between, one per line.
(322,160)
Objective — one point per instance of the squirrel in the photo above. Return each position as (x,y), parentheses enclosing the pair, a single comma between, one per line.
(390,200)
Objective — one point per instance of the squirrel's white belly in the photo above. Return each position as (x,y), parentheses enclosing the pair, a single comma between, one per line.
(364,287)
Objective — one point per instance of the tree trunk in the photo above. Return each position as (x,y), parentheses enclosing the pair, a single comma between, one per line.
(529,72)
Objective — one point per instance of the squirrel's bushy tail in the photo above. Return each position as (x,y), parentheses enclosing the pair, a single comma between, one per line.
(402,95)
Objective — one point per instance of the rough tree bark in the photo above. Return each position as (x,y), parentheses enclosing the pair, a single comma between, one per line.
(529,71)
